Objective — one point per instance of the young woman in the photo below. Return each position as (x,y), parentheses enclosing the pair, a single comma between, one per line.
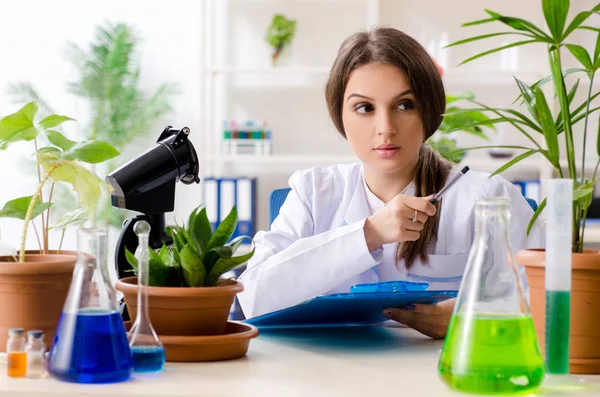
(372,221)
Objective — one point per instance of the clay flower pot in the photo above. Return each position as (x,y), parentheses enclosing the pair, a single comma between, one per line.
(584,336)
(184,311)
(33,293)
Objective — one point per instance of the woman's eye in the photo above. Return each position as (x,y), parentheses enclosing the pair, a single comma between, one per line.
(406,105)
(363,108)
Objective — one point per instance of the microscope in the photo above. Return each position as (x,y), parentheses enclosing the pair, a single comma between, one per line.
(146,184)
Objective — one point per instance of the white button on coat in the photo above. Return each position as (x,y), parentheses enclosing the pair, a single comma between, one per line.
(316,245)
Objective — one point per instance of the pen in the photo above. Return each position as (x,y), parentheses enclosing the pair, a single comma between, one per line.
(439,194)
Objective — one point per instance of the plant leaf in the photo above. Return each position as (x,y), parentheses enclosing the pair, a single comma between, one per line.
(520,24)
(530,98)
(17,208)
(504,47)
(58,139)
(224,230)
(164,254)
(575,23)
(50,150)
(194,273)
(548,126)
(224,265)
(73,218)
(18,126)
(52,121)
(91,152)
(536,214)
(202,230)
(515,161)
(555,12)
(597,52)
(131,259)
(581,54)
(484,36)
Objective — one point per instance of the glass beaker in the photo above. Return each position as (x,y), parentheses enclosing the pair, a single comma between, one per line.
(491,346)
(90,345)
(148,352)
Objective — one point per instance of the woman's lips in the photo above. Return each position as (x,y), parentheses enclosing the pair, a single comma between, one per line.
(386,151)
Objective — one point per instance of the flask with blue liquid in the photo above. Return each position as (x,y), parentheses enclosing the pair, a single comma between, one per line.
(90,345)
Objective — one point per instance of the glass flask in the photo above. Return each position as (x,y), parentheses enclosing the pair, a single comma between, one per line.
(90,345)
(148,352)
(491,346)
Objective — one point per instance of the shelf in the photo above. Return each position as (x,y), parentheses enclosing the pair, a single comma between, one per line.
(282,159)
(269,70)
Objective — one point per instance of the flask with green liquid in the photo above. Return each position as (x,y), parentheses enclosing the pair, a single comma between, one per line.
(491,346)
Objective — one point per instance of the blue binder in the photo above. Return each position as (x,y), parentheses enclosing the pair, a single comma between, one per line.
(363,305)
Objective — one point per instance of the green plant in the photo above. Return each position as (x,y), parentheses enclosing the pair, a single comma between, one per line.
(109,80)
(542,125)
(456,120)
(198,257)
(57,162)
(280,33)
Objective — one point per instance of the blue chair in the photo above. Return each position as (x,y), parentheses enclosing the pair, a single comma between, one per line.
(278,196)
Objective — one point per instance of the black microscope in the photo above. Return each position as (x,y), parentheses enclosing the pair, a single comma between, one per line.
(146,184)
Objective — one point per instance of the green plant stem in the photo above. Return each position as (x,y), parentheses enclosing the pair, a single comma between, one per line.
(62,236)
(585,124)
(42,249)
(585,211)
(37,235)
(30,211)
(46,231)
(596,170)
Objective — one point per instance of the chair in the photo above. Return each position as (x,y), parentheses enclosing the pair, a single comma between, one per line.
(278,196)
(276,199)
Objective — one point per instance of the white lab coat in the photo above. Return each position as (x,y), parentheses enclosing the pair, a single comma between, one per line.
(316,245)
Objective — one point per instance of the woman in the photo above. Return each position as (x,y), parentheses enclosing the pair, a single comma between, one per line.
(372,221)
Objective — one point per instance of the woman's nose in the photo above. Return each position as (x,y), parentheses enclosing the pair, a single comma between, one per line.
(385,124)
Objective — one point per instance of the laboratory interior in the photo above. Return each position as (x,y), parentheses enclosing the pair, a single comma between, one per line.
(299,198)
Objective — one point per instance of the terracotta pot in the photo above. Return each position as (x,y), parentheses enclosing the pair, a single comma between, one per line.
(52,252)
(33,293)
(584,336)
(184,311)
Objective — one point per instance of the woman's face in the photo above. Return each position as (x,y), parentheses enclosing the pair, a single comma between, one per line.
(381,120)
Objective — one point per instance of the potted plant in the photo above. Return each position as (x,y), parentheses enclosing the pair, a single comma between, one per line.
(187,294)
(34,284)
(543,130)
(279,35)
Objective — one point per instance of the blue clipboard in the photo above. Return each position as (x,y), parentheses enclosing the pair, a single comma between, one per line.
(363,305)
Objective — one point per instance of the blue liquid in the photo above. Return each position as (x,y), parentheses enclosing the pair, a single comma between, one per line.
(148,358)
(90,347)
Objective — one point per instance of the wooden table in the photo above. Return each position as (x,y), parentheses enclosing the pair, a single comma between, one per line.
(305,363)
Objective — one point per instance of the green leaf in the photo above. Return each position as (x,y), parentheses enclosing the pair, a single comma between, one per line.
(162,275)
(520,24)
(582,193)
(18,126)
(73,218)
(52,121)
(454,98)
(86,184)
(598,137)
(91,152)
(597,52)
(530,98)
(536,214)
(575,23)
(17,208)
(131,259)
(572,92)
(515,161)
(485,36)
(193,268)
(504,47)
(202,229)
(59,140)
(479,22)
(225,265)
(555,12)
(224,230)
(165,254)
(581,54)
(548,126)
(50,150)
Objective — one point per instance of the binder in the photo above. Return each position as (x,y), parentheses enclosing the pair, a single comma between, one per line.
(530,189)
(211,200)
(245,202)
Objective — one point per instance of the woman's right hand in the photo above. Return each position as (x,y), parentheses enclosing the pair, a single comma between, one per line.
(393,222)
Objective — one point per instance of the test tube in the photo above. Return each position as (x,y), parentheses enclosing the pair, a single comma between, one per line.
(559,208)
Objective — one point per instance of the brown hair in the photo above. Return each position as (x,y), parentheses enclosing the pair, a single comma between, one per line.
(393,47)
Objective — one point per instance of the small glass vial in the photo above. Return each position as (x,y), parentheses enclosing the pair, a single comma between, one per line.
(36,350)
(15,350)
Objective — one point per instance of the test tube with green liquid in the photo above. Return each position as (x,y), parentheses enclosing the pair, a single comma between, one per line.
(558,274)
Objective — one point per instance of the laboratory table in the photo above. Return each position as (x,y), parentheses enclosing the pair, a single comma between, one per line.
(356,361)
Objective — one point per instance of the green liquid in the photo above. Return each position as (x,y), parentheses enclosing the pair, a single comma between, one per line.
(492,354)
(558,305)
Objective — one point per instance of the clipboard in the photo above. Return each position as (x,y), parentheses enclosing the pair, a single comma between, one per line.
(363,305)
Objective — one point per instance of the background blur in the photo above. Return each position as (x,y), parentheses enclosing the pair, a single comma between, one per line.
(205,63)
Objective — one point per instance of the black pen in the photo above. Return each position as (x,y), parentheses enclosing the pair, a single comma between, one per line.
(439,194)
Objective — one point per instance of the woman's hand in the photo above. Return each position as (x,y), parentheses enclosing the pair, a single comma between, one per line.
(394,222)
(431,320)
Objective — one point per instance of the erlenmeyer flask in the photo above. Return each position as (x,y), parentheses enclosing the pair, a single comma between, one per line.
(90,345)
(491,346)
